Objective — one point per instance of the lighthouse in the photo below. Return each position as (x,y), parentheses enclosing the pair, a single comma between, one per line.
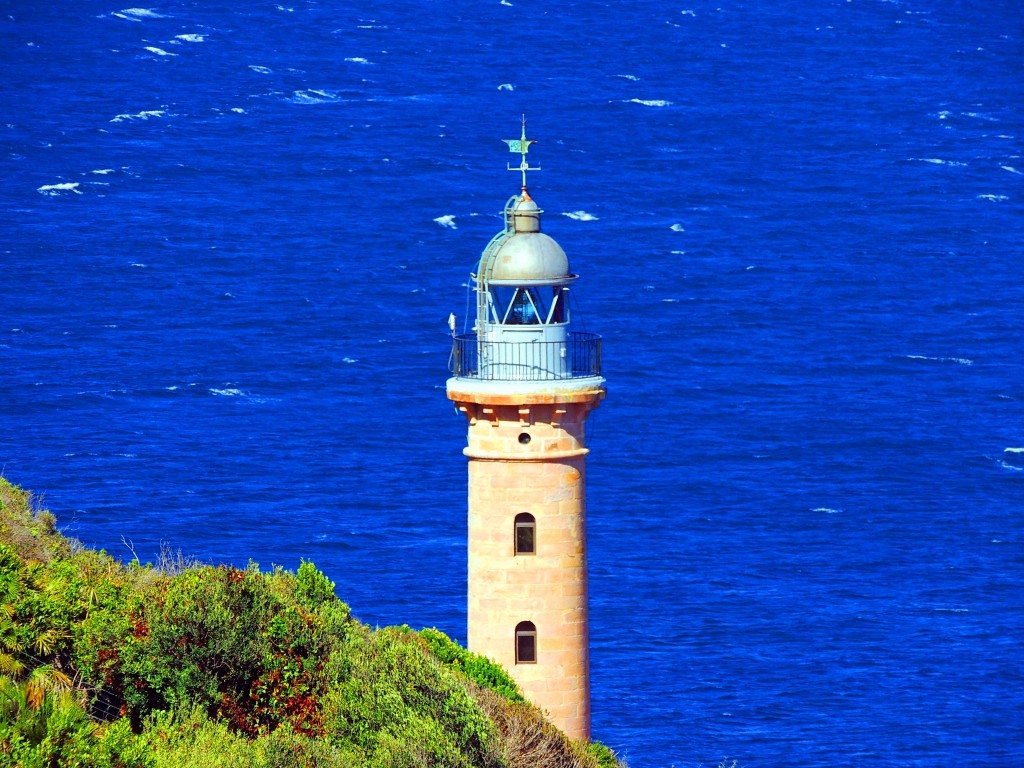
(526,383)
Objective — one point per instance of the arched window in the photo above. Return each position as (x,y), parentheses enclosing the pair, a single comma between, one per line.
(526,643)
(525,534)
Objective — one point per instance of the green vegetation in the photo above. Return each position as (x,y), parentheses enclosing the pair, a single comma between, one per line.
(132,666)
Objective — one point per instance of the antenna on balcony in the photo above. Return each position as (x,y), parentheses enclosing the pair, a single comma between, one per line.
(522,146)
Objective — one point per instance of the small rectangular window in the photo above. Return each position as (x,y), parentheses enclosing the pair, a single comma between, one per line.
(526,647)
(524,539)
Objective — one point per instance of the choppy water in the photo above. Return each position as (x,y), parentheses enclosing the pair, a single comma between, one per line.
(232,235)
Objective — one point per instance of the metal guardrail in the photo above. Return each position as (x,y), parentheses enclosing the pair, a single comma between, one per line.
(579,356)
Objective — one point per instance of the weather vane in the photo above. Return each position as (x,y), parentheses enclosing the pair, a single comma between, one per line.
(522,146)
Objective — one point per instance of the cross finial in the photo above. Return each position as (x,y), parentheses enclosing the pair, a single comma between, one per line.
(522,146)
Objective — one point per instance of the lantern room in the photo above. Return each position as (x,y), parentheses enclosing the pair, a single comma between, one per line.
(522,286)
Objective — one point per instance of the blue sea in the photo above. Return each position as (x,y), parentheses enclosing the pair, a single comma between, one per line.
(232,234)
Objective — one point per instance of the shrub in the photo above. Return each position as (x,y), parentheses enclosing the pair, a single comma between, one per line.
(479,669)
(30,530)
(56,731)
(400,705)
(312,588)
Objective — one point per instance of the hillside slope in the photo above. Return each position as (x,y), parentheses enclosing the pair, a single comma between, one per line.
(182,664)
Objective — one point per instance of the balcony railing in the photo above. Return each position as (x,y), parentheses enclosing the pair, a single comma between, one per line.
(579,356)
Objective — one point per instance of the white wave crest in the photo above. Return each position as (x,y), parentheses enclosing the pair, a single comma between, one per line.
(1013,467)
(957,360)
(634,78)
(994,198)
(261,70)
(143,13)
(506,87)
(191,38)
(1013,450)
(651,102)
(688,13)
(138,14)
(446,221)
(52,190)
(102,171)
(938,161)
(144,115)
(1011,169)
(677,228)
(581,216)
(827,510)
(358,60)
(159,51)
(226,392)
(313,96)
(238,110)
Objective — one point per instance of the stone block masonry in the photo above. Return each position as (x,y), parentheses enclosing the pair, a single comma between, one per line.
(527,455)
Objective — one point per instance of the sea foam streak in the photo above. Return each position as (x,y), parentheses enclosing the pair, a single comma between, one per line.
(938,161)
(446,221)
(957,360)
(159,51)
(313,96)
(581,216)
(650,102)
(191,38)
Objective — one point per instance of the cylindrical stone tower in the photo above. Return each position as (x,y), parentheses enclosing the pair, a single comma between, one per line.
(526,384)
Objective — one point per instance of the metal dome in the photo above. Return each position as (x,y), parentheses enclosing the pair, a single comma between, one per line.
(529,258)
(525,254)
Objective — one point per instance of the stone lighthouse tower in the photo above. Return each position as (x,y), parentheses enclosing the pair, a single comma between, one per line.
(526,383)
